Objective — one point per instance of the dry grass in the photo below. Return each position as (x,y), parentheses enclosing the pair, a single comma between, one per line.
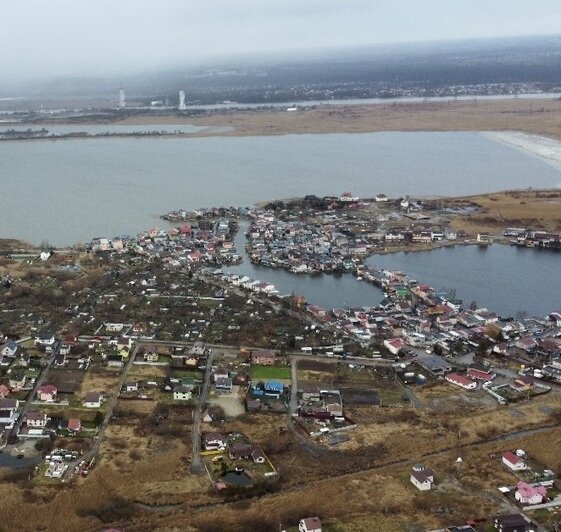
(540,209)
(99,380)
(532,116)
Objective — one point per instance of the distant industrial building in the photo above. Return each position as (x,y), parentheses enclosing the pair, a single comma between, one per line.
(122,99)
(182,104)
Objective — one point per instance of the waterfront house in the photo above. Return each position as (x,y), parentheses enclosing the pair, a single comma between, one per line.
(483,238)
(526,343)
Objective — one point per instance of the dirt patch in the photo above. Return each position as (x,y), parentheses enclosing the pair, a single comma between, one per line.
(231,403)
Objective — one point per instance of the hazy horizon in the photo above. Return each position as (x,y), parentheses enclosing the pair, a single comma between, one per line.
(102,38)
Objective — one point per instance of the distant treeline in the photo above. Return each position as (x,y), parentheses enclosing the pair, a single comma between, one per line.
(30,134)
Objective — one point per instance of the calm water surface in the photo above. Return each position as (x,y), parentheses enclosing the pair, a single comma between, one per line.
(327,291)
(505,279)
(73,190)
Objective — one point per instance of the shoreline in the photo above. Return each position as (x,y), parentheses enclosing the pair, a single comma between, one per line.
(532,116)
(544,148)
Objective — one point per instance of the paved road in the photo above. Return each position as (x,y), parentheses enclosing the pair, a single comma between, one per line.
(98,439)
(197,465)
(31,396)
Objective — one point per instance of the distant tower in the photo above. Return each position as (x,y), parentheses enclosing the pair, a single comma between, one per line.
(122,99)
(182,104)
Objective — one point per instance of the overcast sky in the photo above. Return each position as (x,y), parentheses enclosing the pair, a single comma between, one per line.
(98,36)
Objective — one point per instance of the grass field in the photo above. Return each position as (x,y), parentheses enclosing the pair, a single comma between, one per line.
(270,372)
(527,115)
(540,209)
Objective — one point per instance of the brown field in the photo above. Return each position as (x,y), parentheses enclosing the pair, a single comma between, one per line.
(144,372)
(141,470)
(539,209)
(99,380)
(531,116)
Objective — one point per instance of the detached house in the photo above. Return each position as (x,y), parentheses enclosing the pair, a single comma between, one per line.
(17,381)
(213,441)
(513,462)
(460,380)
(46,339)
(74,424)
(527,494)
(47,393)
(182,393)
(421,478)
(9,349)
(310,524)
(36,419)
(513,523)
(92,400)
(263,357)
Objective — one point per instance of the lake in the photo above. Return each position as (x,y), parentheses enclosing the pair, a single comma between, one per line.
(327,291)
(505,279)
(66,191)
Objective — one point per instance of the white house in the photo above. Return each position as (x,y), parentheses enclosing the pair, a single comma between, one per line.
(9,349)
(92,400)
(309,524)
(422,478)
(36,419)
(460,380)
(45,339)
(131,387)
(8,415)
(513,462)
(182,393)
(393,345)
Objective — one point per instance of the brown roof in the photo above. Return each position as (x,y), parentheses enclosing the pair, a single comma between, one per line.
(35,416)
(74,424)
(312,523)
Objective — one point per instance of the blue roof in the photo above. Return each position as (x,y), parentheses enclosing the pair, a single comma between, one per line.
(274,386)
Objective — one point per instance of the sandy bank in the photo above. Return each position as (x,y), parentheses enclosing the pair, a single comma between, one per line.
(547,149)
